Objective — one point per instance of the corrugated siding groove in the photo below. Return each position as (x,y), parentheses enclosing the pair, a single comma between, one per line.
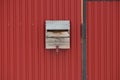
(22,40)
(103,40)
(0,42)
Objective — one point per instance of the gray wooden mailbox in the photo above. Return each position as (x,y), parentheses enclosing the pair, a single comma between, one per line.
(57,34)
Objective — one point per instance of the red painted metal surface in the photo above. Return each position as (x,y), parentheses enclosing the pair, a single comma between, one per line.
(22,40)
(103,40)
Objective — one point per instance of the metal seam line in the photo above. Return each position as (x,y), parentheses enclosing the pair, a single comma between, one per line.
(84,42)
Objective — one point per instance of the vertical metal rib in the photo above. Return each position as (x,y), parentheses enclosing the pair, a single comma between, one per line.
(84,42)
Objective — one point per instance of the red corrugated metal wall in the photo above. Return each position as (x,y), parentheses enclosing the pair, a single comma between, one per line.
(103,40)
(22,40)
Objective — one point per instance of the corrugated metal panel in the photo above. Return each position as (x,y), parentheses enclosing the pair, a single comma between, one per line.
(103,40)
(22,40)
